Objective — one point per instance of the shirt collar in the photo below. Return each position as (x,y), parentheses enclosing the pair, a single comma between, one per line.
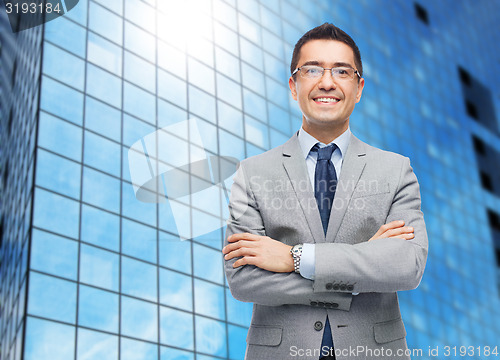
(307,141)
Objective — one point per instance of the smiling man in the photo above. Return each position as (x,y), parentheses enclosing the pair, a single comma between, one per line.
(325,229)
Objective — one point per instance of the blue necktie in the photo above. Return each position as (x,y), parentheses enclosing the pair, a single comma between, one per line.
(325,184)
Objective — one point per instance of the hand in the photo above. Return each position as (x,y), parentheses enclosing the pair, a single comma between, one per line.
(261,251)
(394,229)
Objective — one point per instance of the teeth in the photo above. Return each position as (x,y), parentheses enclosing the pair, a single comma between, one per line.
(327,100)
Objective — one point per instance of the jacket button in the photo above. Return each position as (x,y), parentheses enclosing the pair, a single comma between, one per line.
(336,287)
(343,287)
(350,287)
(335,305)
(314,303)
(318,326)
(329,286)
(322,304)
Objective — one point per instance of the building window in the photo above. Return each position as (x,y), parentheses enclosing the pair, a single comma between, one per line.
(471,110)
(421,13)
(464,76)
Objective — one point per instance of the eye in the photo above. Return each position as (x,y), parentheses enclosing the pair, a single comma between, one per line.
(342,72)
(313,70)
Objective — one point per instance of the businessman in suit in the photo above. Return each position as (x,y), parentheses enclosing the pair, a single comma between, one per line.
(325,229)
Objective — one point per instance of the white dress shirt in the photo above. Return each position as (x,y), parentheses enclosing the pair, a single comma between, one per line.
(307,141)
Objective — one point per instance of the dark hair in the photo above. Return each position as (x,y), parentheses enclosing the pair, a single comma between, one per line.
(326,31)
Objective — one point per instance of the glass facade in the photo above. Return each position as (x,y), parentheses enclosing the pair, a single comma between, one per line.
(90,272)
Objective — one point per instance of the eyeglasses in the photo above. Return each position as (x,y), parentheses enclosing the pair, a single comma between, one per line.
(315,72)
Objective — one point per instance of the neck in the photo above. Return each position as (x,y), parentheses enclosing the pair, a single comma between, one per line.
(325,134)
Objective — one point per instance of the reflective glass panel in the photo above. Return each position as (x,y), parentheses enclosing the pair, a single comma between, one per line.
(138,279)
(102,118)
(63,66)
(208,263)
(52,298)
(58,174)
(139,240)
(174,253)
(210,336)
(101,190)
(230,118)
(47,340)
(209,299)
(93,345)
(54,254)
(172,88)
(176,290)
(168,353)
(97,309)
(104,53)
(62,101)
(67,35)
(99,267)
(140,72)
(60,136)
(105,22)
(139,319)
(201,75)
(256,132)
(237,343)
(56,213)
(104,86)
(139,103)
(204,106)
(173,334)
(140,42)
(229,91)
(137,350)
(100,228)
(102,154)
(137,210)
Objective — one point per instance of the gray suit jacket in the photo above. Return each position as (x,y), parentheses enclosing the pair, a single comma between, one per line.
(273,196)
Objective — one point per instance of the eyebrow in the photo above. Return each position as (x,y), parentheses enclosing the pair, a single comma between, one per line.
(337,64)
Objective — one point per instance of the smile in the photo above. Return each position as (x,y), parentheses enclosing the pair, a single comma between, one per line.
(326,100)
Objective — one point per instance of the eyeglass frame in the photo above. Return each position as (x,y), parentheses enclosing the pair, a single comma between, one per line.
(356,72)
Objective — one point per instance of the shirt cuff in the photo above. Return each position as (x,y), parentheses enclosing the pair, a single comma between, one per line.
(307,261)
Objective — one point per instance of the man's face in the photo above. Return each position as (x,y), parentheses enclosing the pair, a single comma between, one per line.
(317,111)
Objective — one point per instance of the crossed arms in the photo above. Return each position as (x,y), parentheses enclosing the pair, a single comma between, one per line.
(260,269)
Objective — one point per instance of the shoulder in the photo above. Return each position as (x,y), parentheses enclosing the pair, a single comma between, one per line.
(380,160)
(267,160)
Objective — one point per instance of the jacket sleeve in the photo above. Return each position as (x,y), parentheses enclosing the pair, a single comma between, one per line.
(382,265)
(249,283)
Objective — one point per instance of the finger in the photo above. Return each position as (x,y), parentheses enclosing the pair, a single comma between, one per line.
(240,252)
(405,236)
(242,236)
(393,225)
(398,231)
(243,261)
(386,227)
(236,245)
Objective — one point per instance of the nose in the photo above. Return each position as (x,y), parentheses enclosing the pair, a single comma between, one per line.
(327,82)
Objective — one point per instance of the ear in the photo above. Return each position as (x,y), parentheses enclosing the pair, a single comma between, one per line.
(293,89)
(361,85)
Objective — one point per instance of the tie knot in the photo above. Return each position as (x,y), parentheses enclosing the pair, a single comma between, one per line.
(325,153)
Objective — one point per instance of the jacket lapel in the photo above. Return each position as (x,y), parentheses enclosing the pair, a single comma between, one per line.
(352,167)
(296,169)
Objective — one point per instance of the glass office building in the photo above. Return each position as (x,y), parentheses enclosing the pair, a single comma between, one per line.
(88,271)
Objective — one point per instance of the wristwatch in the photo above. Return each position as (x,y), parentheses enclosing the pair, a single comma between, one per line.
(296,252)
